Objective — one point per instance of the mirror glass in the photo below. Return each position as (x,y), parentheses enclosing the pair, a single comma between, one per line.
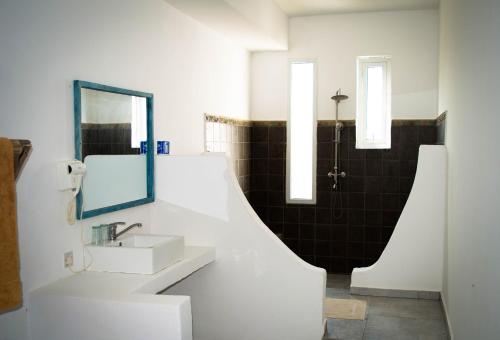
(114,140)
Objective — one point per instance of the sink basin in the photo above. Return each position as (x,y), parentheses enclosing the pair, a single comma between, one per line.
(137,254)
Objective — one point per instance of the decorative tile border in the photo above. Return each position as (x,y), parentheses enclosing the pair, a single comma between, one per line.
(441,118)
(323,122)
(242,122)
(226,120)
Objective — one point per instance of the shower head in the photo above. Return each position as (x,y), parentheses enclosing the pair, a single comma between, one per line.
(338,97)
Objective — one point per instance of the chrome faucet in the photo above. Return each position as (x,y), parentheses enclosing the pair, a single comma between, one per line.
(113,235)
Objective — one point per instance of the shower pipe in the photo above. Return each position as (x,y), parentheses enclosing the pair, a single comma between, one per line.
(338,97)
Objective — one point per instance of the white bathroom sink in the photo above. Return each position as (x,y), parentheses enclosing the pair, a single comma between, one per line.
(137,254)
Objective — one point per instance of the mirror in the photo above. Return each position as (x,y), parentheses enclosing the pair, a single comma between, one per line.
(114,138)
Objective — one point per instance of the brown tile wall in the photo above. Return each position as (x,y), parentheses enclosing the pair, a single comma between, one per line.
(346,228)
(351,227)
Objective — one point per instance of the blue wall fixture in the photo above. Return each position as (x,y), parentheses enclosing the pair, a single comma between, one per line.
(78,85)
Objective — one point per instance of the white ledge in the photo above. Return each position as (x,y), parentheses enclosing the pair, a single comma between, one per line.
(105,285)
(127,304)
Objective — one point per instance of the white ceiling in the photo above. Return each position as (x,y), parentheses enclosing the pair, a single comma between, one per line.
(315,7)
(254,24)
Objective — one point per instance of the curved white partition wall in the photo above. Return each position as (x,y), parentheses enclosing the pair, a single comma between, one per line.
(412,263)
(257,288)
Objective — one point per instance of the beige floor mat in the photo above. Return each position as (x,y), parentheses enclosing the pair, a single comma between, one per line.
(345,309)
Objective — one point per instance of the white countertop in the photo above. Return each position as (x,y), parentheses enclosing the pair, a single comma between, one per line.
(118,286)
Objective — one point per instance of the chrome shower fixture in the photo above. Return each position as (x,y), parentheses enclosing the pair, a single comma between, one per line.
(338,97)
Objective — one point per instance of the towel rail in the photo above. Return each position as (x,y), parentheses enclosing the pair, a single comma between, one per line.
(22,150)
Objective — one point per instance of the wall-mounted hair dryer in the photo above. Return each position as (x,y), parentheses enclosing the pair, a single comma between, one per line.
(69,178)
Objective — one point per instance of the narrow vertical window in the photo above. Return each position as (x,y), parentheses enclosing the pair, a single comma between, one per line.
(138,125)
(373,107)
(301,134)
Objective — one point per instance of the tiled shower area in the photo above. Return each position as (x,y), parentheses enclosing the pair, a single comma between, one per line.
(346,228)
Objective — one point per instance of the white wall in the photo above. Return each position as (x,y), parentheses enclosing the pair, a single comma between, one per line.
(413,257)
(141,45)
(469,73)
(256,288)
(139,317)
(411,37)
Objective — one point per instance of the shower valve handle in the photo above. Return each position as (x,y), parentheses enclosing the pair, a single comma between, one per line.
(336,174)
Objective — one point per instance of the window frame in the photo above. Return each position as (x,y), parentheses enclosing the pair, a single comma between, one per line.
(362,65)
(290,200)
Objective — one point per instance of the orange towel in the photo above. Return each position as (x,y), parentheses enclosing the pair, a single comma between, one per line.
(10,282)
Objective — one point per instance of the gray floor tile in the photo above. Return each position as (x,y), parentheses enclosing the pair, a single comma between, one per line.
(407,308)
(345,329)
(376,334)
(387,318)
(395,293)
(385,327)
(339,293)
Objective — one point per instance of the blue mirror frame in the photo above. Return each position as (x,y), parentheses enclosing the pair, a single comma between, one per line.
(78,85)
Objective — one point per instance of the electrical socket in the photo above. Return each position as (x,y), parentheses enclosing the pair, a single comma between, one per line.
(68,259)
